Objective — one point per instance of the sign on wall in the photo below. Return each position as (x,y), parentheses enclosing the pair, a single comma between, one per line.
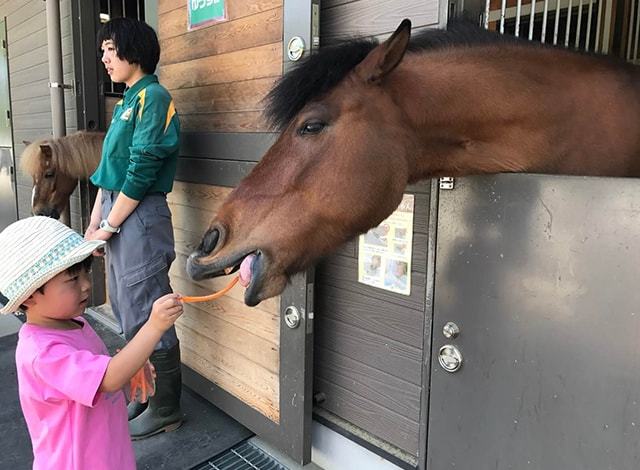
(205,12)
(384,252)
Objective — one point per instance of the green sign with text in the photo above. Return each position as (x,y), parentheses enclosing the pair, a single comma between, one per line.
(205,12)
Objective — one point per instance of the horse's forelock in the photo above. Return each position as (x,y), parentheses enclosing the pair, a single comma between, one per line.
(312,78)
(31,158)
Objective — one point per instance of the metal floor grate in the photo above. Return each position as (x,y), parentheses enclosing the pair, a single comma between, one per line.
(244,456)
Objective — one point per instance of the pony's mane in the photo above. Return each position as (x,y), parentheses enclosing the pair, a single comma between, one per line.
(76,155)
(320,72)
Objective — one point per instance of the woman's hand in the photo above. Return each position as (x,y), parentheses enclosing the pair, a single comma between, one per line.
(95,233)
(91,230)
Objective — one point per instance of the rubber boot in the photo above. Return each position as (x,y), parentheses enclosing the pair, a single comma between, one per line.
(134,408)
(163,413)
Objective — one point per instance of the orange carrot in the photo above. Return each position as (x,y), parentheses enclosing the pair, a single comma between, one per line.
(215,295)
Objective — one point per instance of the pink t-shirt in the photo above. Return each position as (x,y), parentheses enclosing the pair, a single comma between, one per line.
(72,425)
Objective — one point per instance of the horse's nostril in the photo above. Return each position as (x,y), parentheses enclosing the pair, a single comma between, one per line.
(209,241)
(47,212)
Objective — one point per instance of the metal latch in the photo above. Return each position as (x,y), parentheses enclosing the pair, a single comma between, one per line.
(447,182)
(64,86)
(450,358)
(292,317)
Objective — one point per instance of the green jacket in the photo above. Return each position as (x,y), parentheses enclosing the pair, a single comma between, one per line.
(140,150)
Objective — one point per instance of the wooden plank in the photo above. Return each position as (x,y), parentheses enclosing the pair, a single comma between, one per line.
(228,359)
(386,390)
(258,62)
(241,121)
(393,321)
(342,272)
(245,33)
(36,56)
(193,357)
(21,11)
(224,97)
(368,17)
(20,46)
(252,347)
(38,104)
(42,120)
(201,196)
(168,5)
(174,22)
(386,425)
(379,352)
(39,73)
(34,24)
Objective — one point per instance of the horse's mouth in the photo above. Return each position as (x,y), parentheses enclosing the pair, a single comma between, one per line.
(250,264)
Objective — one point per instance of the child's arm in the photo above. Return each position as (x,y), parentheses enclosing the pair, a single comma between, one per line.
(132,357)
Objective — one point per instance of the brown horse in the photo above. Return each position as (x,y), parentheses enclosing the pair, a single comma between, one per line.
(360,121)
(56,165)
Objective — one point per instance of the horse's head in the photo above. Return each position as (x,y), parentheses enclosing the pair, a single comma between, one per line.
(51,187)
(302,200)
(55,166)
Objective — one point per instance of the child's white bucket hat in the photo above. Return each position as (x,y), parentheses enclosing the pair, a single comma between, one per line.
(34,250)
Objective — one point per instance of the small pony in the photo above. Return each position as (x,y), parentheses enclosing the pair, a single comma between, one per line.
(362,120)
(56,165)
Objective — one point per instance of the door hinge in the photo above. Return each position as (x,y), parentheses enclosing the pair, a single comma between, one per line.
(447,182)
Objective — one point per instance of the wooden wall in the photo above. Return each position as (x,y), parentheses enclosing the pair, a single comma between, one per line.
(347,18)
(232,345)
(368,344)
(218,75)
(29,78)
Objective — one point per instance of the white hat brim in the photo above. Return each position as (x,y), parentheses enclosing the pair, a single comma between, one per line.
(74,256)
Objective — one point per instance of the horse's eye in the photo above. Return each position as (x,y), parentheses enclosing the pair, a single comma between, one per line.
(49,174)
(312,127)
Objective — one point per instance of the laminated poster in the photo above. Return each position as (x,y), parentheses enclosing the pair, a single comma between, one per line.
(384,252)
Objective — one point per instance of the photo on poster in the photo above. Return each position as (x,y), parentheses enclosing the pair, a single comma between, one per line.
(384,252)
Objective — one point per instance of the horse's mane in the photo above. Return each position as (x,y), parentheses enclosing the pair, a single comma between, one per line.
(320,72)
(76,155)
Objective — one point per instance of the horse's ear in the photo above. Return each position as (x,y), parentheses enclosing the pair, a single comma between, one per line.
(46,150)
(26,142)
(386,56)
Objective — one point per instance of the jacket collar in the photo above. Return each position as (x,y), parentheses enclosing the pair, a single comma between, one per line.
(145,81)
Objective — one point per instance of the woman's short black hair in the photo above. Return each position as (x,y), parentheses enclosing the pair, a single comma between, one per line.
(135,41)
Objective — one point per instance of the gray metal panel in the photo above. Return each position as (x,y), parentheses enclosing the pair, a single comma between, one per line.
(8,207)
(540,273)
(236,146)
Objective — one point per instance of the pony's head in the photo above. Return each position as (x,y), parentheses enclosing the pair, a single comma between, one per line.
(301,201)
(55,165)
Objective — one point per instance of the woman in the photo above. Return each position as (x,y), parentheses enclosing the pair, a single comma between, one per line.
(137,169)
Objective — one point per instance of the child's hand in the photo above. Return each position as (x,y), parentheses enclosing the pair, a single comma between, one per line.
(165,312)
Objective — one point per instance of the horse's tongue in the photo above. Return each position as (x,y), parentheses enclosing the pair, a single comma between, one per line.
(245,270)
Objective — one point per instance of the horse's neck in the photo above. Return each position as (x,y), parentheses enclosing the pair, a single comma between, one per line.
(518,110)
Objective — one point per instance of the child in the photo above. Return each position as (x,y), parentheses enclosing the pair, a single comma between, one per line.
(70,388)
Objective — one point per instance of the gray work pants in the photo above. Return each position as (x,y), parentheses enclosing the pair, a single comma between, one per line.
(138,261)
